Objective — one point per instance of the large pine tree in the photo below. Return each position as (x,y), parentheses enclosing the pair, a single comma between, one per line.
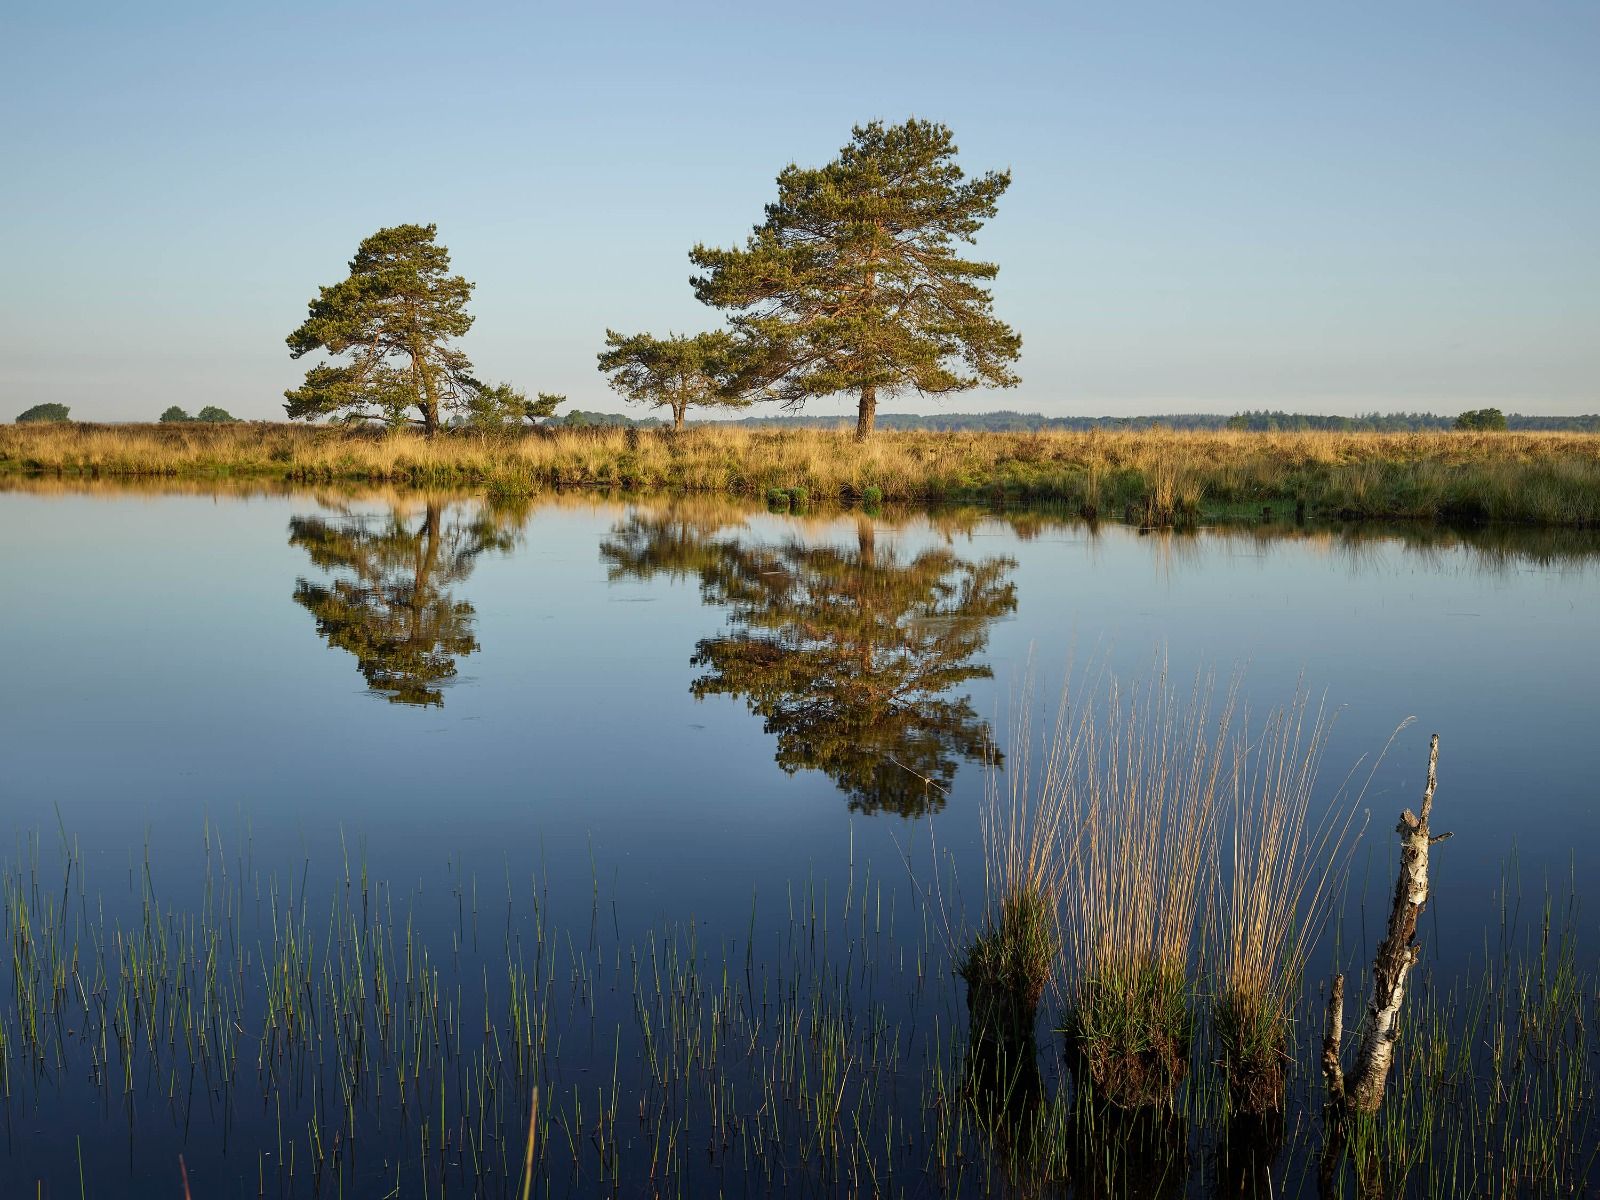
(853,282)
(393,320)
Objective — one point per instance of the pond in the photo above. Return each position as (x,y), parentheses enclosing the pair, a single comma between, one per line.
(586,733)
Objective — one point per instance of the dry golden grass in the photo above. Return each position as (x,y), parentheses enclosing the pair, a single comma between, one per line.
(1147,767)
(1142,771)
(1154,476)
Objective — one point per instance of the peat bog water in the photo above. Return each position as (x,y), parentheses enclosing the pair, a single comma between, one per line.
(634,747)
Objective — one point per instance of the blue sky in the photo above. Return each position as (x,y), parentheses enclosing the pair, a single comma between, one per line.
(1317,207)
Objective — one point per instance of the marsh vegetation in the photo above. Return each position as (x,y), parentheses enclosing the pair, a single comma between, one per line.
(1150,477)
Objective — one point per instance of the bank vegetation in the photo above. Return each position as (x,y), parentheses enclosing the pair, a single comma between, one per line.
(1153,477)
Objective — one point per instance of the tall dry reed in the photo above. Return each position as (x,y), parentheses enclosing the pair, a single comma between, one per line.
(1278,884)
(1147,768)
(1008,965)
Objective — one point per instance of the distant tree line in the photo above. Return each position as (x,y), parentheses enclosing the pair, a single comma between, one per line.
(1020,422)
(579,418)
(1478,419)
(1483,419)
(1007,421)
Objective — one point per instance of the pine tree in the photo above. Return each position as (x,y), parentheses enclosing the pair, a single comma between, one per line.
(672,373)
(393,319)
(853,282)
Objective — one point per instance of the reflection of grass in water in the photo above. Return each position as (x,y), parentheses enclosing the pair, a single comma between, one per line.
(1156,476)
(1010,961)
(1359,545)
(1005,968)
(666,1063)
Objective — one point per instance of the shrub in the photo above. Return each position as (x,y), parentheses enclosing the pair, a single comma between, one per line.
(43,413)
(1482,419)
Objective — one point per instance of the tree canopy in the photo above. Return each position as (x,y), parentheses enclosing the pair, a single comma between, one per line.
(44,412)
(673,372)
(1481,419)
(210,414)
(853,282)
(504,407)
(393,320)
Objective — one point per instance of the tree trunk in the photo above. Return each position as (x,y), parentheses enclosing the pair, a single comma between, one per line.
(866,413)
(1363,1090)
(1398,954)
(1333,1041)
(430,409)
(678,411)
(429,400)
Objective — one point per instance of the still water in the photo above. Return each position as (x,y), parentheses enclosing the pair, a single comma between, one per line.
(685,713)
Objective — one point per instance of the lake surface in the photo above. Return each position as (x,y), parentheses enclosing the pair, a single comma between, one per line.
(690,714)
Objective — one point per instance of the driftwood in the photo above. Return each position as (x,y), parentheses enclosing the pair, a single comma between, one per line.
(1362,1092)
(1332,1038)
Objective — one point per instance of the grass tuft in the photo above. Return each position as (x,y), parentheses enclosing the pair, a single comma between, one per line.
(1280,877)
(1144,776)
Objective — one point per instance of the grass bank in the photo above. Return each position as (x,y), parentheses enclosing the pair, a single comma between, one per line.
(1155,477)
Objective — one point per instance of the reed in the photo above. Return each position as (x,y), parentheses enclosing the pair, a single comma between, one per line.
(1154,477)
(1140,826)
(1009,963)
(1278,887)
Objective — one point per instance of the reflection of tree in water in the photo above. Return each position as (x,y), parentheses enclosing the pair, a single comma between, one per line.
(849,656)
(676,541)
(389,603)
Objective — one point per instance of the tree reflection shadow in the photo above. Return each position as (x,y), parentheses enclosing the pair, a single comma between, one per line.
(388,601)
(853,656)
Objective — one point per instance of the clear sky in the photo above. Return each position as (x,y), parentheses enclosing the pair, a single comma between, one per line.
(1318,207)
